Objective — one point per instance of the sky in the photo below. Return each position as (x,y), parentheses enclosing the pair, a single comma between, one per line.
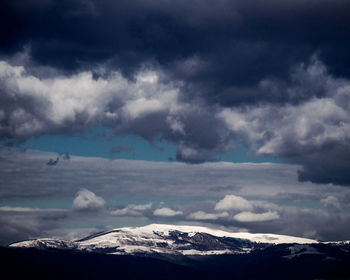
(228,114)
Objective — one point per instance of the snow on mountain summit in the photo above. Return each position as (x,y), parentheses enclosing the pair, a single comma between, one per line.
(167,240)
(253,237)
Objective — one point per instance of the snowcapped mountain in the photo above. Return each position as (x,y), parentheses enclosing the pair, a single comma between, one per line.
(167,240)
(177,252)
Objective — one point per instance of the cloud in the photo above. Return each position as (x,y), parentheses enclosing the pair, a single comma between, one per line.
(27,209)
(314,133)
(23,223)
(132,210)
(147,106)
(213,40)
(200,215)
(26,176)
(166,212)
(311,129)
(331,202)
(86,200)
(189,188)
(233,202)
(256,217)
(76,101)
(230,204)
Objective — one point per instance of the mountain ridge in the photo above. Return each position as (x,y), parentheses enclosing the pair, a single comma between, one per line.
(167,240)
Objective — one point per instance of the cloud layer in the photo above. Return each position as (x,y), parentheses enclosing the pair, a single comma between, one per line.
(213,194)
(314,132)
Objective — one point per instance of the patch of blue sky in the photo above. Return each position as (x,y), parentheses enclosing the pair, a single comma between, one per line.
(47,203)
(98,142)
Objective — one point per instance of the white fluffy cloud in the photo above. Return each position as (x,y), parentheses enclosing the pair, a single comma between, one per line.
(312,123)
(247,216)
(166,212)
(307,127)
(148,105)
(201,215)
(77,100)
(233,202)
(309,132)
(132,210)
(86,200)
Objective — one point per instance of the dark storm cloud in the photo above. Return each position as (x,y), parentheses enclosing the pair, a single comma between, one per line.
(237,43)
(330,166)
(313,133)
